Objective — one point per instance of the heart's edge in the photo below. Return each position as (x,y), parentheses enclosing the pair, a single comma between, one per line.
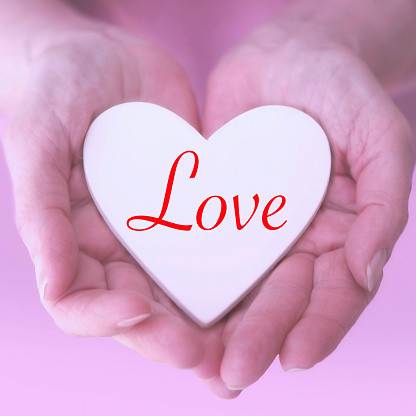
(182,308)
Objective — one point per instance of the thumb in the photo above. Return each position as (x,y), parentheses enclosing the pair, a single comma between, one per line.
(227,96)
(40,170)
(383,188)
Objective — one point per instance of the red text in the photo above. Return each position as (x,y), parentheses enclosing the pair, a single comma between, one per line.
(199,214)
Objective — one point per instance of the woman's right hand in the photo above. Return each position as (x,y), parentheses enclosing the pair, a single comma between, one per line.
(88,282)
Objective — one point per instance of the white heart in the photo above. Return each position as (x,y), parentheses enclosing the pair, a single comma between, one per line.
(269,151)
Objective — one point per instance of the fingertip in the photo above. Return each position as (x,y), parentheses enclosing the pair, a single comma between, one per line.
(127,323)
(295,357)
(375,269)
(210,366)
(123,309)
(166,338)
(220,389)
(186,351)
(249,353)
(240,366)
(53,246)
(227,96)
(98,312)
(293,369)
(259,337)
(138,307)
(41,280)
(42,288)
(370,240)
(247,357)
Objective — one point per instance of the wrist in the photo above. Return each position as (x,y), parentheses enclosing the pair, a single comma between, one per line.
(380,32)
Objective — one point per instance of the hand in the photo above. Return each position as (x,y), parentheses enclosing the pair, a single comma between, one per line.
(310,301)
(88,282)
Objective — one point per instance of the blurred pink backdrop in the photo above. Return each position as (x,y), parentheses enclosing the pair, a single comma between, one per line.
(45,372)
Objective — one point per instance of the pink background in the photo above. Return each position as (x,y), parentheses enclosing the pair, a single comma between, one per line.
(45,372)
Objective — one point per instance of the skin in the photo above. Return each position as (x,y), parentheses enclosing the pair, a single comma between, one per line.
(332,65)
(312,299)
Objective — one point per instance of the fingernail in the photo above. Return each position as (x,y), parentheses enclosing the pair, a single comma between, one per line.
(42,291)
(38,268)
(125,323)
(295,370)
(40,280)
(233,388)
(375,269)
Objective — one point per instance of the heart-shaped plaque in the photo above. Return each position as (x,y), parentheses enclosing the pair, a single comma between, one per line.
(206,219)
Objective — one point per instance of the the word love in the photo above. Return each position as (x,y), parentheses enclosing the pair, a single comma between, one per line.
(160,220)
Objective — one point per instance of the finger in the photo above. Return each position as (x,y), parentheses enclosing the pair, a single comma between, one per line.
(99,312)
(257,339)
(209,367)
(41,149)
(383,174)
(227,94)
(174,93)
(335,304)
(40,168)
(165,338)
(200,349)
(97,304)
(160,79)
(219,388)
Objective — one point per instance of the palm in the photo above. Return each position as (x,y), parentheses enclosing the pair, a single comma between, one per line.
(313,297)
(304,308)
(92,282)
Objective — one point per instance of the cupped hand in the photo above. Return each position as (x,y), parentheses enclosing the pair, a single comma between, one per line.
(92,287)
(88,282)
(310,301)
